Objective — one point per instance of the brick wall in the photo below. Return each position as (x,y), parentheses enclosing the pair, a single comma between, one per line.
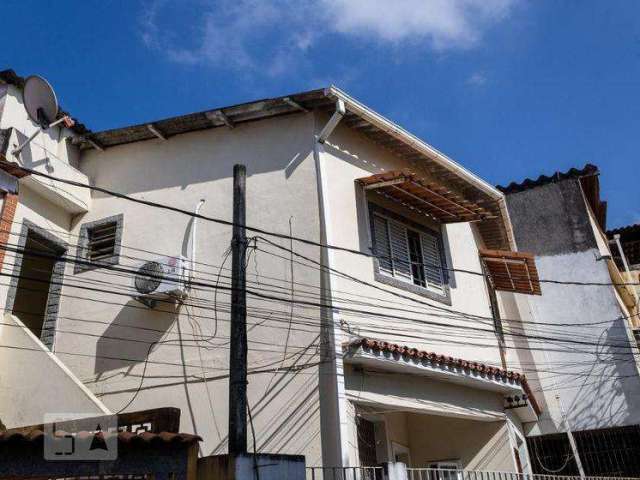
(6,220)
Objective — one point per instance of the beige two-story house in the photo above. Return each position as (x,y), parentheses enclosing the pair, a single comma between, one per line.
(376,339)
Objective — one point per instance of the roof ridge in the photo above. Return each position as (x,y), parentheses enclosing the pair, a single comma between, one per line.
(632,227)
(558,176)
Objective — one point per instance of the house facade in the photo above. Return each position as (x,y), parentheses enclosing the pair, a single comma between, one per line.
(588,381)
(379,329)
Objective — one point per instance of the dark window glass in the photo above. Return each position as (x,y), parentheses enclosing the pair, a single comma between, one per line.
(415,256)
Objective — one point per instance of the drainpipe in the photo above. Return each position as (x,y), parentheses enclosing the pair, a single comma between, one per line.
(338,456)
(193,240)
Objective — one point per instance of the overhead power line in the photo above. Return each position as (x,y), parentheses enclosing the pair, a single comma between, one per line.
(371,313)
(262,231)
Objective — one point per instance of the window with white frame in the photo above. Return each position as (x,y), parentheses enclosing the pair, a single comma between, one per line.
(407,252)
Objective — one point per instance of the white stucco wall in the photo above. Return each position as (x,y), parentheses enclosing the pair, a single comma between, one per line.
(435,420)
(49,143)
(50,152)
(475,445)
(115,332)
(597,383)
(348,156)
(135,358)
(52,219)
(34,383)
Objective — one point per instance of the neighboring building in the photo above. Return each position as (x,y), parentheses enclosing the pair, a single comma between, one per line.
(330,375)
(590,383)
(630,241)
(625,247)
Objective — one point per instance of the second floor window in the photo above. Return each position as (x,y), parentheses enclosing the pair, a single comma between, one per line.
(409,254)
(99,243)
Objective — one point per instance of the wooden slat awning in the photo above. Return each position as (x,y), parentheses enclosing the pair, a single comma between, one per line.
(430,199)
(511,271)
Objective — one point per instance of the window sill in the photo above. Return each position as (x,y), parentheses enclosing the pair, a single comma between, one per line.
(105,262)
(409,287)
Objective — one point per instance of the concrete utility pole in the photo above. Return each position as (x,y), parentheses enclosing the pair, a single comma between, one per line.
(238,349)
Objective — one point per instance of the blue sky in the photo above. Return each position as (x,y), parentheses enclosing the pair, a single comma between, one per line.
(508,88)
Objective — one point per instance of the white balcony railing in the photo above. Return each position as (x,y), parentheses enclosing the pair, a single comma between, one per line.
(391,472)
(345,473)
(445,474)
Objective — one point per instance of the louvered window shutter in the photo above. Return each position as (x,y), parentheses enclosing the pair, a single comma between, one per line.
(382,247)
(400,250)
(432,261)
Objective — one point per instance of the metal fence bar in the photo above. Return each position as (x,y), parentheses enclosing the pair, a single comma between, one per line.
(376,473)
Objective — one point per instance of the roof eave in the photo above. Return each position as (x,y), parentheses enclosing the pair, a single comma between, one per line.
(411,140)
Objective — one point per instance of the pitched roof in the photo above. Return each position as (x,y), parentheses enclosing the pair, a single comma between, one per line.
(588,178)
(495,231)
(514,187)
(417,354)
(358,117)
(628,231)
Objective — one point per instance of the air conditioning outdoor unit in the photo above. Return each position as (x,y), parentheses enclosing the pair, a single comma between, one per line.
(164,278)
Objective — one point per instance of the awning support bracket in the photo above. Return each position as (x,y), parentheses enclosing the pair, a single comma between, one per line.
(333,122)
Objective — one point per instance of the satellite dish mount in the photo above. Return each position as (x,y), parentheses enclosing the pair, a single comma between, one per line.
(41,104)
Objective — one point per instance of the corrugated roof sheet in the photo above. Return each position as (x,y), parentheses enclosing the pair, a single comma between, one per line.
(527,183)
(626,231)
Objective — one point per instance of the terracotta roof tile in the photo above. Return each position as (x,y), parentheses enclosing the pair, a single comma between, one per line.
(496,372)
(37,436)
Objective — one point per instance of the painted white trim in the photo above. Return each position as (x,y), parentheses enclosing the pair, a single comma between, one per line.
(387,125)
(411,140)
(516,434)
(454,374)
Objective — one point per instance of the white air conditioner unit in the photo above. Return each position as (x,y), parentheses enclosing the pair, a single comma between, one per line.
(161,279)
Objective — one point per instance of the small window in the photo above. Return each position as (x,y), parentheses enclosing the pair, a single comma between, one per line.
(408,253)
(100,243)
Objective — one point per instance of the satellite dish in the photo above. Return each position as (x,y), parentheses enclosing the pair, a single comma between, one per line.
(40,101)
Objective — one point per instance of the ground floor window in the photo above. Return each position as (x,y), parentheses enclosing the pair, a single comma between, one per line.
(366,442)
(34,292)
(603,452)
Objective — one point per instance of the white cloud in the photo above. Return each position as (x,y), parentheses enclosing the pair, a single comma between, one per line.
(444,23)
(272,35)
(476,79)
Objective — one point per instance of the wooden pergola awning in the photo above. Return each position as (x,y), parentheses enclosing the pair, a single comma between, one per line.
(430,199)
(511,271)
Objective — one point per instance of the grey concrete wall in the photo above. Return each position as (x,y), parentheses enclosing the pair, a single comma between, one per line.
(595,378)
(551,219)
